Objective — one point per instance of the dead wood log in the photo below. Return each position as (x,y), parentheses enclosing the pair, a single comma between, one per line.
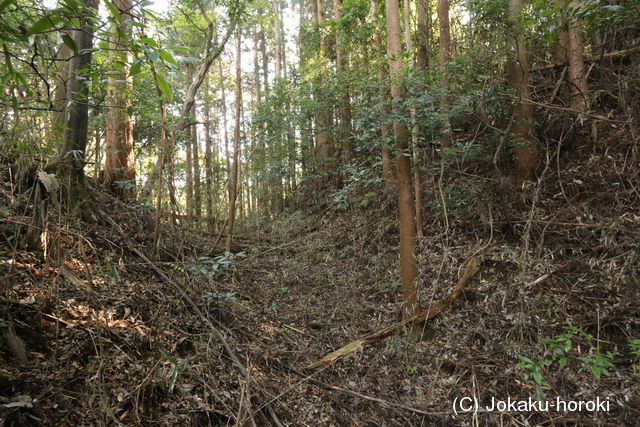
(473,265)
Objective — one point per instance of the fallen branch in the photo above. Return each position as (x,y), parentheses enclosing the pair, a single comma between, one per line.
(470,270)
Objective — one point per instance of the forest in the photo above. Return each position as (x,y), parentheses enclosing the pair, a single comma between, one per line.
(320,212)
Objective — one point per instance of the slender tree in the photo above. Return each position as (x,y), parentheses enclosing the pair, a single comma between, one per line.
(208,158)
(345,99)
(417,181)
(577,75)
(236,144)
(120,172)
(197,194)
(324,117)
(526,144)
(60,93)
(75,132)
(387,165)
(408,268)
(444,57)
(423,35)
(189,165)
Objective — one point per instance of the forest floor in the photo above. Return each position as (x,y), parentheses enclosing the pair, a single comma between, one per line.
(93,335)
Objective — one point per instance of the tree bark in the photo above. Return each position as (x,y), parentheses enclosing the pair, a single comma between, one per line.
(345,100)
(75,134)
(443,57)
(324,117)
(526,154)
(236,145)
(278,43)
(577,76)
(189,166)
(120,172)
(387,165)
(60,93)
(408,268)
(208,158)
(417,182)
(424,33)
(197,194)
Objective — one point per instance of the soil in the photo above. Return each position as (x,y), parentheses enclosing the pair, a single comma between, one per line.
(553,313)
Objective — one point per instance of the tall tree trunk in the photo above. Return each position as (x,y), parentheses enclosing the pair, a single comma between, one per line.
(278,44)
(526,152)
(98,143)
(577,76)
(208,158)
(306,126)
(189,160)
(224,125)
(163,147)
(423,34)
(260,143)
(444,57)
(408,268)
(197,194)
(387,165)
(75,134)
(324,117)
(60,93)
(265,63)
(345,101)
(283,44)
(417,182)
(236,145)
(120,172)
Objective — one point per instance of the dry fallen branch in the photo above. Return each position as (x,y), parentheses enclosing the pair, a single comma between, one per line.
(470,270)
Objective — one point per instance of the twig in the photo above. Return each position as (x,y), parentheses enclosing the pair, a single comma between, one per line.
(572,110)
(297,330)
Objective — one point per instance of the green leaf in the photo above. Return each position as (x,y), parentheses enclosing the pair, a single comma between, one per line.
(180,48)
(148,41)
(70,43)
(164,87)
(115,13)
(153,56)
(71,5)
(537,376)
(5,4)
(135,69)
(45,23)
(169,357)
(167,56)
